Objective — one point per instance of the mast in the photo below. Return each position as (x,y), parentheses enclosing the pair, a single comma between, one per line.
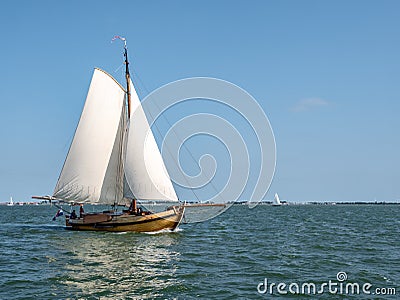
(127,77)
(128,99)
(133,207)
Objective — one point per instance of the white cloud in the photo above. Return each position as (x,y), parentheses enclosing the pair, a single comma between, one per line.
(309,103)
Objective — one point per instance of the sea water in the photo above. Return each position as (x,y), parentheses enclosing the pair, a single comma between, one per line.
(241,254)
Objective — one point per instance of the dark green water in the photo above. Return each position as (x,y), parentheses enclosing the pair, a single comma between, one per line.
(224,258)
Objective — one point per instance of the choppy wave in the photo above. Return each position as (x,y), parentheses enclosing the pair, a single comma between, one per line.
(226,257)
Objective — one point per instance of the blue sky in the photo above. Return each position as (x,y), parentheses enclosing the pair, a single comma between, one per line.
(326,73)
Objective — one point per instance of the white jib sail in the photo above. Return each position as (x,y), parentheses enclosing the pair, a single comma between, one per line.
(92,171)
(145,171)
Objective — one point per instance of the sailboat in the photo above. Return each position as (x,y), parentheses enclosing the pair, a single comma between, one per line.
(11,203)
(114,160)
(276,201)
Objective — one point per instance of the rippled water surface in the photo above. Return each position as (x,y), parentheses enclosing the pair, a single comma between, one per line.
(224,258)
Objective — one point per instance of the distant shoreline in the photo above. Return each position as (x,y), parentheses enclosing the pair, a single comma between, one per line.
(284,203)
(316,203)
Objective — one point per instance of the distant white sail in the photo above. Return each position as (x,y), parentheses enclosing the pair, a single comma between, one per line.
(11,203)
(276,200)
(145,171)
(93,169)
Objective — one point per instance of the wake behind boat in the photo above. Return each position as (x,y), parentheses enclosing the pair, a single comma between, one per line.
(114,160)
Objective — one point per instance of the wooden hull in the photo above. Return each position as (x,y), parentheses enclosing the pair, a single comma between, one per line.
(167,220)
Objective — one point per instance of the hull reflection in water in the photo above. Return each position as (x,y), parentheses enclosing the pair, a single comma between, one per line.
(120,266)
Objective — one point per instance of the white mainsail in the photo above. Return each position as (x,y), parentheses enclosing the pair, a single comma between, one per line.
(145,171)
(92,171)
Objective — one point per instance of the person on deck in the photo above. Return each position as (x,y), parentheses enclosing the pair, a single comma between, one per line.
(73,215)
(81,211)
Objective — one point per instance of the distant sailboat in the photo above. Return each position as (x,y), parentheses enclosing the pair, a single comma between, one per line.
(276,201)
(114,160)
(11,203)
